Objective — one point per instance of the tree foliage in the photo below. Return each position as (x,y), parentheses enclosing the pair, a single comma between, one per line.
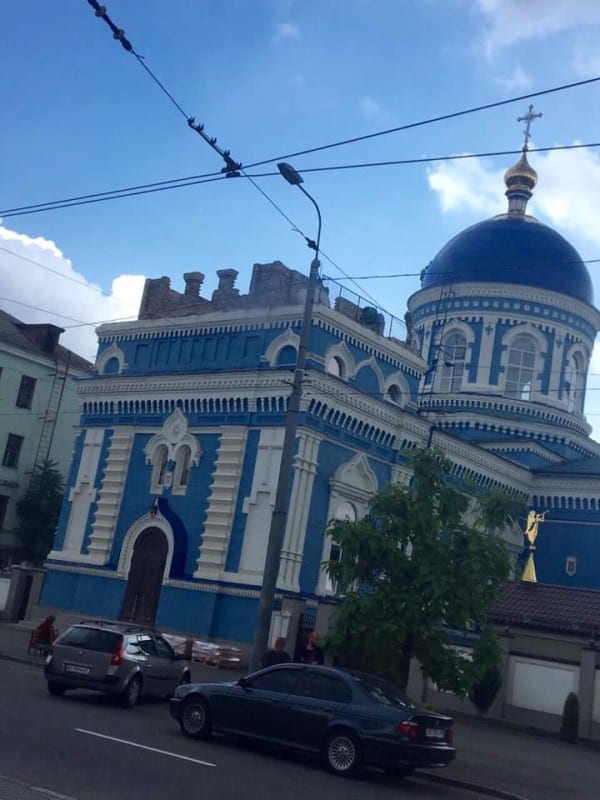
(38,511)
(427,558)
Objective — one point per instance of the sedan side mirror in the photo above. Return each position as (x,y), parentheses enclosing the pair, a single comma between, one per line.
(243,682)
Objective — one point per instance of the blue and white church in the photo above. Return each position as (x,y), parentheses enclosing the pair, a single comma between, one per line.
(171,489)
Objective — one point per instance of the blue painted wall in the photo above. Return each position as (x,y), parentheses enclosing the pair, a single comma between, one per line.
(89,594)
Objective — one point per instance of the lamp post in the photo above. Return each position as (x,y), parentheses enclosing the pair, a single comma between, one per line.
(279,517)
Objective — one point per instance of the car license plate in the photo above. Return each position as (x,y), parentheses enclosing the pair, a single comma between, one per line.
(76,669)
(435,733)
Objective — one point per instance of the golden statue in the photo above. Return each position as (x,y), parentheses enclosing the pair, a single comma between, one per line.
(531,532)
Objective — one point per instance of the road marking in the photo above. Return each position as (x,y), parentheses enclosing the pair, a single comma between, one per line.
(145,747)
(49,793)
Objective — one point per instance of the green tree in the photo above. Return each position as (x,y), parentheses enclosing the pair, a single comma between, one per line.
(427,557)
(38,511)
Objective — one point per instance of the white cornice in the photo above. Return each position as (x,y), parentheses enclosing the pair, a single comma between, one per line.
(505,291)
(118,386)
(263,319)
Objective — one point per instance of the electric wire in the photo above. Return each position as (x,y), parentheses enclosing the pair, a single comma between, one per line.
(233,168)
(54,272)
(210,177)
(427,121)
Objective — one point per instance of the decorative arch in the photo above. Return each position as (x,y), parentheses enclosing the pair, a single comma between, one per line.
(372,365)
(174,445)
(525,329)
(399,381)
(522,361)
(574,378)
(355,479)
(152,519)
(351,487)
(111,352)
(341,354)
(287,339)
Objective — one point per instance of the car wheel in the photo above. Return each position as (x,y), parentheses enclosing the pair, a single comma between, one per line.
(132,692)
(56,689)
(400,770)
(195,718)
(342,752)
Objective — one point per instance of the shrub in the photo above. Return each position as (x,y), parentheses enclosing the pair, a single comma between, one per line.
(569,724)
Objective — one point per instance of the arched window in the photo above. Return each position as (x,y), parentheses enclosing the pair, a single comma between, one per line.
(346,513)
(335,366)
(182,466)
(159,470)
(574,383)
(452,358)
(394,395)
(520,368)
(287,356)
(112,366)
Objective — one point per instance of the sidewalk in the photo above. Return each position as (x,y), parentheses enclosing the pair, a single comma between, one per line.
(492,759)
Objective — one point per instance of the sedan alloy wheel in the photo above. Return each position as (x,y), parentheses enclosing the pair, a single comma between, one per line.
(195,718)
(342,753)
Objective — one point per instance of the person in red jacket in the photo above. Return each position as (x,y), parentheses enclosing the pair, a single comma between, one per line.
(46,633)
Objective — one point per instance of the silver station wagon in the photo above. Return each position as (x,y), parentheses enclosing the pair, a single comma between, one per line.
(115,658)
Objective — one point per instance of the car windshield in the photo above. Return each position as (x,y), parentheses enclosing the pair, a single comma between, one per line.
(383,691)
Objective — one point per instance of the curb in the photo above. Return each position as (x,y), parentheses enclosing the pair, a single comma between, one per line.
(21,660)
(470,786)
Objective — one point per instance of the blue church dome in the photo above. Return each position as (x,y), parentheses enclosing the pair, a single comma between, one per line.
(512,249)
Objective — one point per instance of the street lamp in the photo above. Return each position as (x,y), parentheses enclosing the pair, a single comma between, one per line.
(279,518)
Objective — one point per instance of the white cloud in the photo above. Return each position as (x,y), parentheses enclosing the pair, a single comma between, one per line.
(511,21)
(468,185)
(33,293)
(567,192)
(286,30)
(519,79)
(370,108)
(585,60)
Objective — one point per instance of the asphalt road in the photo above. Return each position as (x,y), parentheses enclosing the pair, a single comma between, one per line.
(84,747)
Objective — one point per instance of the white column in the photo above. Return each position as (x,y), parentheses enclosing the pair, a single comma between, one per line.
(81,497)
(110,495)
(305,469)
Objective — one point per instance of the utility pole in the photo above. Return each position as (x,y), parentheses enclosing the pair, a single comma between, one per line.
(280,509)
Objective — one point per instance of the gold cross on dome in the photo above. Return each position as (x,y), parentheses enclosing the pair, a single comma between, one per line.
(528,118)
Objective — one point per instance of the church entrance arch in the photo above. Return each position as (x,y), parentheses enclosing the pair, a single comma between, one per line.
(145,577)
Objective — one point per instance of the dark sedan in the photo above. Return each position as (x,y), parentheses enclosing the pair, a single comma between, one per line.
(348,718)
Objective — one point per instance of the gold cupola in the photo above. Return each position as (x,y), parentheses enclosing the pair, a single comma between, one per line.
(521,179)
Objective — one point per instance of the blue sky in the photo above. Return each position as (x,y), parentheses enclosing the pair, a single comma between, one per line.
(269,78)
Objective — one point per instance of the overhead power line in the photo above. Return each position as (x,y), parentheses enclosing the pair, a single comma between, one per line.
(427,121)
(234,169)
(178,183)
(55,271)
